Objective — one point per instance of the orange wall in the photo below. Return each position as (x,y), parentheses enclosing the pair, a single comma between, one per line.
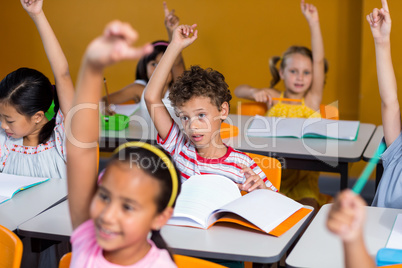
(235,37)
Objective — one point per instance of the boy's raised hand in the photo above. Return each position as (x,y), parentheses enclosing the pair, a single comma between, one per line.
(380,23)
(115,45)
(309,11)
(171,20)
(346,217)
(184,35)
(33,7)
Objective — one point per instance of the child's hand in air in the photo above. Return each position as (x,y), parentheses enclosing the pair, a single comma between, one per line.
(347,215)
(33,7)
(253,181)
(310,12)
(171,20)
(184,35)
(115,45)
(380,23)
(262,95)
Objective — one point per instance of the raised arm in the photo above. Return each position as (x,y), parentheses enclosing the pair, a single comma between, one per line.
(54,53)
(380,24)
(314,95)
(82,122)
(171,22)
(346,219)
(183,36)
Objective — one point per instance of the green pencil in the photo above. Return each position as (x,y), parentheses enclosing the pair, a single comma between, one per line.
(361,182)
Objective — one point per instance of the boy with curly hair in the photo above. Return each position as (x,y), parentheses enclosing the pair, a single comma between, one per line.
(201,101)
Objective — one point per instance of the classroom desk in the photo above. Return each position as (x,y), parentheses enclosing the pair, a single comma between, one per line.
(30,202)
(234,243)
(307,154)
(320,248)
(371,149)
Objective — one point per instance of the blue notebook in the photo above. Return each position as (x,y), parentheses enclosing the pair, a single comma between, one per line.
(12,184)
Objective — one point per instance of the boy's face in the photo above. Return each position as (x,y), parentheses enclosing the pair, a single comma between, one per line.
(201,121)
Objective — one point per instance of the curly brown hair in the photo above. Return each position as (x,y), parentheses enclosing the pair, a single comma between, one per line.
(199,82)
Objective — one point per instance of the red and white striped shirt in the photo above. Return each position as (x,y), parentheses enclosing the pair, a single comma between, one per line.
(190,163)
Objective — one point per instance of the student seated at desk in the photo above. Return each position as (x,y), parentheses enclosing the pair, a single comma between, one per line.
(30,144)
(389,192)
(138,190)
(201,100)
(145,67)
(347,214)
(303,72)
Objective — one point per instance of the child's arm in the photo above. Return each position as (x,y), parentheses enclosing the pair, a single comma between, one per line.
(256,94)
(346,220)
(314,95)
(380,24)
(54,53)
(130,92)
(183,36)
(171,22)
(83,120)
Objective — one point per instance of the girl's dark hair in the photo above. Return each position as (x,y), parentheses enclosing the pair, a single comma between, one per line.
(289,52)
(29,91)
(154,166)
(160,46)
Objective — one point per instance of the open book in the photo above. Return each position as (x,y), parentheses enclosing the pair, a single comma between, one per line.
(12,184)
(303,128)
(126,109)
(207,199)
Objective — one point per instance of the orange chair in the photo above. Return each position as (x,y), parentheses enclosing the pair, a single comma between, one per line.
(10,249)
(252,108)
(228,131)
(329,112)
(65,260)
(185,262)
(271,167)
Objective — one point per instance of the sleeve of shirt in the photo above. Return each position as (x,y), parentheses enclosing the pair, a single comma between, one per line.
(171,141)
(60,134)
(262,175)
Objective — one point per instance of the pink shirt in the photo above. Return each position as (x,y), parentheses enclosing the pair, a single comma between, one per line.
(88,254)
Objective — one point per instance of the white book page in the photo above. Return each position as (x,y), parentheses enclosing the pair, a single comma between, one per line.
(9,184)
(265,209)
(395,238)
(126,109)
(275,127)
(202,194)
(336,129)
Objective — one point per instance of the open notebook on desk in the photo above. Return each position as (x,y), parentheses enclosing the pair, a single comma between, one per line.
(303,128)
(207,199)
(12,184)
(126,109)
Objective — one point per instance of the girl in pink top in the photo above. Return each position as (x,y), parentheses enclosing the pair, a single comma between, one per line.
(137,192)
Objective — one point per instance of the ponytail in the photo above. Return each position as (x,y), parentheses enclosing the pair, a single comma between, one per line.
(160,242)
(274,71)
(48,128)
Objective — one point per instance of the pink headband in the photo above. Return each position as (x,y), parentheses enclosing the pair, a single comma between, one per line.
(161,44)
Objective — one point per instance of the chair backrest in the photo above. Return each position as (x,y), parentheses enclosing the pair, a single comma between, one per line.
(185,262)
(65,260)
(10,249)
(228,131)
(252,108)
(270,166)
(329,112)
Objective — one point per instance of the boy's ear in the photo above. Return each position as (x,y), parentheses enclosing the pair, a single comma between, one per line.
(224,112)
(38,117)
(161,219)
